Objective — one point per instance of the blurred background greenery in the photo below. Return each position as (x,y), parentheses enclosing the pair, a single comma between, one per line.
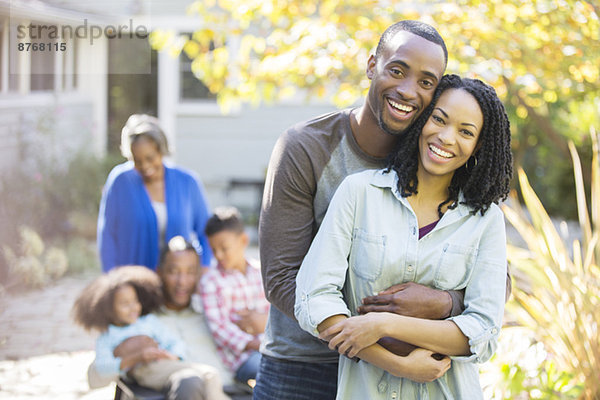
(542,57)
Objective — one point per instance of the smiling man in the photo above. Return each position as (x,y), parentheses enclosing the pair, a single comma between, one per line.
(179,270)
(307,164)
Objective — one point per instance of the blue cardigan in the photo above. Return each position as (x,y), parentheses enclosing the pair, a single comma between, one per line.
(127,227)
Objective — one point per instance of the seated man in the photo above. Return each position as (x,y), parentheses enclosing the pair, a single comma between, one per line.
(179,270)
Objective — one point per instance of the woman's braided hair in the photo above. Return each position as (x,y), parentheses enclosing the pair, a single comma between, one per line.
(482,184)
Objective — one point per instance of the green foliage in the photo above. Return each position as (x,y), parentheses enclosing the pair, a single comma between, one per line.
(44,196)
(542,56)
(544,52)
(130,93)
(544,382)
(80,187)
(548,384)
(557,291)
(522,369)
(82,255)
(551,175)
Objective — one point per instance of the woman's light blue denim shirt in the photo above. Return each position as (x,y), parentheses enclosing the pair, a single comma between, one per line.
(368,241)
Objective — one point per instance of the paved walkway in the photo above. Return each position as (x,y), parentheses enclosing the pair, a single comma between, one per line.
(43,354)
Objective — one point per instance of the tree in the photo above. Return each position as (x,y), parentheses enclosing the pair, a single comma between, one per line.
(542,57)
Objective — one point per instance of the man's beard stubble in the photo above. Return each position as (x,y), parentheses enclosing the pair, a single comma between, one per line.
(387,129)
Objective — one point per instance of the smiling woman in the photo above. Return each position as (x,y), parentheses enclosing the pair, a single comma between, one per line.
(146,202)
(426,219)
(450,136)
(464,113)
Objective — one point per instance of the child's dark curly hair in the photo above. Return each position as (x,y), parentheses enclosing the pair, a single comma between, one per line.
(482,184)
(93,309)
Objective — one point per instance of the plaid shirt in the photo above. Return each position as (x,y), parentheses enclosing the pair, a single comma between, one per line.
(224,295)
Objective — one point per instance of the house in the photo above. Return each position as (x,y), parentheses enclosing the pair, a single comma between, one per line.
(229,152)
(52,87)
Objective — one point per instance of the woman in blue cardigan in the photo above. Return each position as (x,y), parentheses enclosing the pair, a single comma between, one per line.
(145,202)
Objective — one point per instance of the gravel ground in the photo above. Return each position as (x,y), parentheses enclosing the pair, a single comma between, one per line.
(43,354)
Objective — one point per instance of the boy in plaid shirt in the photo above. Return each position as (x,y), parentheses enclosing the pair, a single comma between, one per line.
(232,294)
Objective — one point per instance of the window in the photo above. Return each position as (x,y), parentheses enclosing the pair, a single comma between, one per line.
(50,67)
(43,66)
(190,87)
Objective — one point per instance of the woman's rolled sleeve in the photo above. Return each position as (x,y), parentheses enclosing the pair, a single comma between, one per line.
(485,294)
(482,343)
(313,308)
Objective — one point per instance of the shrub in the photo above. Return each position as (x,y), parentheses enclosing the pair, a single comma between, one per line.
(35,264)
(557,290)
(57,202)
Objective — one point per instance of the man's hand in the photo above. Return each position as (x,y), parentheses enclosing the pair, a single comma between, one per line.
(424,367)
(140,349)
(150,354)
(253,345)
(251,322)
(134,345)
(410,299)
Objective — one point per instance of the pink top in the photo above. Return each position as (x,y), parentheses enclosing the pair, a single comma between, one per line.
(224,295)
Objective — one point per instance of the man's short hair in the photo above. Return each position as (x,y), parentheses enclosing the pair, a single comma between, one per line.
(418,28)
(224,219)
(176,243)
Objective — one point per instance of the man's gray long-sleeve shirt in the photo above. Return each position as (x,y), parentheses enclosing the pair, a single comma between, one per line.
(307,165)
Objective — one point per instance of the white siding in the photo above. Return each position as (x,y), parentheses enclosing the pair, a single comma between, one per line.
(223,148)
(50,126)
